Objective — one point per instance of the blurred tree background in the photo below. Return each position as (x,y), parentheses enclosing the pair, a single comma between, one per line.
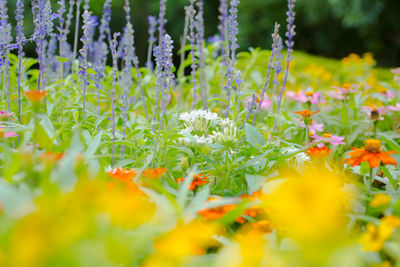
(332,28)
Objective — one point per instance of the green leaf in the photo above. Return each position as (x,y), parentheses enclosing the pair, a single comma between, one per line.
(364,170)
(391,143)
(253,136)
(254,182)
(93,146)
(62,60)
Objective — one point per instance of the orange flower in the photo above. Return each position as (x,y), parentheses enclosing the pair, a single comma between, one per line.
(306,113)
(370,153)
(217,212)
(122,175)
(319,152)
(198,180)
(253,211)
(154,173)
(35,95)
(263,226)
(51,156)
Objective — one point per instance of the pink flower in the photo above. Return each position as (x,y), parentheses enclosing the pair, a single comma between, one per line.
(341,92)
(374,113)
(396,71)
(4,134)
(266,104)
(332,139)
(314,127)
(5,114)
(394,108)
(336,140)
(303,97)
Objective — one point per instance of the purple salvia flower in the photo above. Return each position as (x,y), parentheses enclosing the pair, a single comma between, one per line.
(6,39)
(289,43)
(102,50)
(20,38)
(232,33)
(163,55)
(277,66)
(63,39)
(251,105)
(61,21)
(88,22)
(152,29)
(200,47)
(192,37)
(275,37)
(183,42)
(134,57)
(114,53)
(162,20)
(77,18)
(43,21)
(223,28)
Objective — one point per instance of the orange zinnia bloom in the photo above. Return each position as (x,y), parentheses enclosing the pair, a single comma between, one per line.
(122,175)
(319,152)
(217,212)
(154,173)
(34,95)
(253,211)
(51,156)
(198,180)
(306,113)
(263,226)
(370,153)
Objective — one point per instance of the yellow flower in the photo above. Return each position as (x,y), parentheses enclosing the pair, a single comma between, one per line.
(375,236)
(183,242)
(380,200)
(309,207)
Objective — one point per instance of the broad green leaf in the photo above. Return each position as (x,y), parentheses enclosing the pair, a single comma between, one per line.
(253,137)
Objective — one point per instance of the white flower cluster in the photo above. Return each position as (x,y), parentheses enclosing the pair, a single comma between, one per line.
(299,160)
(227,133)
(204,126)
(199,120)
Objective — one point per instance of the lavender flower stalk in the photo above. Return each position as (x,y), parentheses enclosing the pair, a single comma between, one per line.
(277,66)
(6,39)
(290,43)
(20,38)
(223,28)
(192,14)
(88,22)
(183,42)
(200,47)
(77,18)
(152,29)
(113,47)
(43,21)
(162,20)
(232,33)
(275,38)
(102,50)
(163,55)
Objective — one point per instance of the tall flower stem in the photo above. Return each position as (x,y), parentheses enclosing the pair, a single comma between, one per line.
(77,18)
(113,45)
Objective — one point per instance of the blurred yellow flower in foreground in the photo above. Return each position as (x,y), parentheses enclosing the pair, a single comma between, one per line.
(63,222)
(380,200)
(183,242)
(375,236)
(310,207)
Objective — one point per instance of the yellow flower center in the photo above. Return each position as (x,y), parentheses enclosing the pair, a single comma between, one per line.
(309,93)
(327,135)
(373,145)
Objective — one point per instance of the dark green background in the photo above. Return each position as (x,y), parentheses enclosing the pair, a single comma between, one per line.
(332,28)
